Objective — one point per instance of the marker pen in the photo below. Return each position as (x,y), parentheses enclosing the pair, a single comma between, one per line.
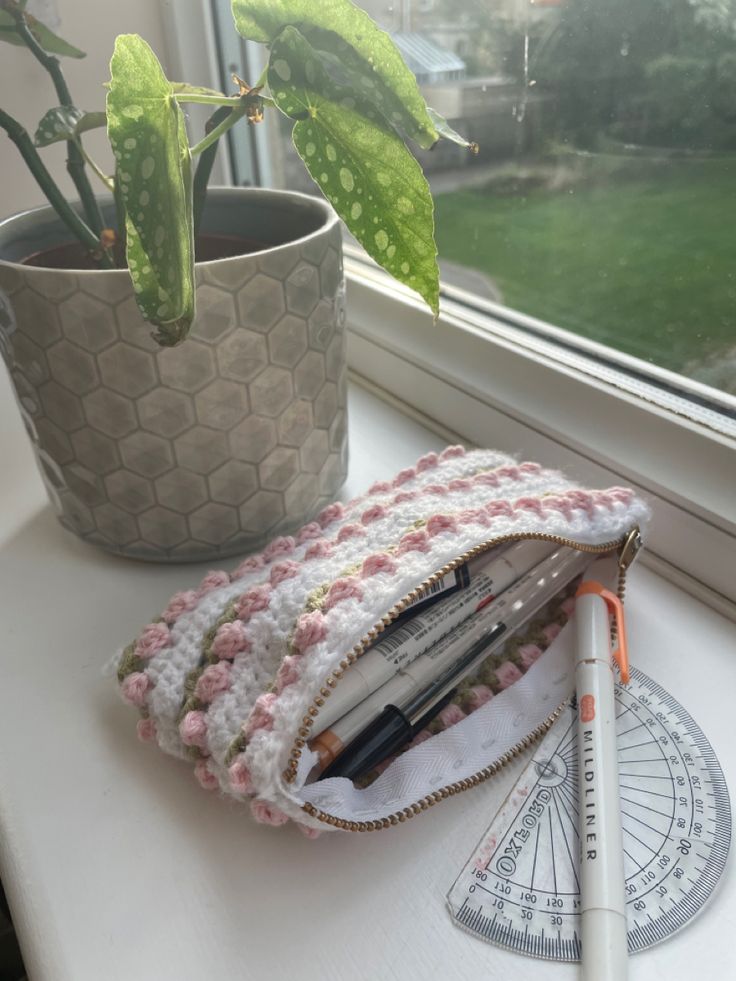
(602,898)
(383,659)
(424,681)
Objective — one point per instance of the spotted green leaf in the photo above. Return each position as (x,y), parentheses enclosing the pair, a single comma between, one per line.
(153,170)
(66,123)
(347,35)
(46,38)
(361,165)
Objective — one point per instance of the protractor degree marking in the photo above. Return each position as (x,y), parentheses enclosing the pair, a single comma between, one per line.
(671,884)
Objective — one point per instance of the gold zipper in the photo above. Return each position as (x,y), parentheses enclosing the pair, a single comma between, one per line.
(628,545)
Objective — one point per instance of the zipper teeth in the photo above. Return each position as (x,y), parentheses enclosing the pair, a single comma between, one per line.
(289,774)
(399,817)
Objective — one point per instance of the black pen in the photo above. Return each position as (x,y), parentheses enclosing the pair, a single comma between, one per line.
(394,727)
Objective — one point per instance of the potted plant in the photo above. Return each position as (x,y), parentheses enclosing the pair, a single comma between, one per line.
(228,424)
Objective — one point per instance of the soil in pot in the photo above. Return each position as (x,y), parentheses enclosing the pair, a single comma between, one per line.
(72,255)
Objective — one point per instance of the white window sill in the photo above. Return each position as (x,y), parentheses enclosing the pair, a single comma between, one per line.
(475,376)
(117,865)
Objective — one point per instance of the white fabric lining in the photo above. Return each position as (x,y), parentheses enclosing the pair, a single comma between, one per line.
(459,752)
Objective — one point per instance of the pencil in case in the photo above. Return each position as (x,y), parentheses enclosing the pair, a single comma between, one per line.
(233,673)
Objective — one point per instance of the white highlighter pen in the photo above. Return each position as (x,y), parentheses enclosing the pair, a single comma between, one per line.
(603,902)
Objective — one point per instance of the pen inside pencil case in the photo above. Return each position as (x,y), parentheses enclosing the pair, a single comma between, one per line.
(485,678)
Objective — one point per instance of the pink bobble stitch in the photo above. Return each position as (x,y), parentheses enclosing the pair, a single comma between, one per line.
(309,832)
(551,631)
(507,673)
(568,606)
(511,472)
(403,496)
(309,532)
(473,516)
(438,489)
(350,531)
(343,589)
(229,640)
(146,730)
(266,813)
(581,500)
(489,479)
(206,777)
(498,508)
(193,729)
(178,604)
(213,580)
(451,452)
(477,696)
(214,680)
(311,628)
(621,494)
(380,487)
(153,638)
(134,687)
(288,673)
(278,548)
(440,523)
(260,716)
(318,550)
(413,541)
(530,467)
(450,715)
(561,504)
(240,778)
(404,476)
(374,513)
(528,654)
(380,562)
(253,601)
(427,462)
(252,564)
(460,484)
(333,512)
(282,571)
(529,504)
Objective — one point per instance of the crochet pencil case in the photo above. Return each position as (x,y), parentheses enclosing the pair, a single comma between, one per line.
(234,672)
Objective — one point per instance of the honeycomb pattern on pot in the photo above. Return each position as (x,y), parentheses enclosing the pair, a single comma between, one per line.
(203,450)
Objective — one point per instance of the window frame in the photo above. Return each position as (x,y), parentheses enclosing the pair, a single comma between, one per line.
(493,376)
(500,385)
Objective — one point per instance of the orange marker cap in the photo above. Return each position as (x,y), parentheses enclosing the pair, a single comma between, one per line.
(615,607)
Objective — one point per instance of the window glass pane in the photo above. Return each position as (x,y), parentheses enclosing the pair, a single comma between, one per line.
(602,197)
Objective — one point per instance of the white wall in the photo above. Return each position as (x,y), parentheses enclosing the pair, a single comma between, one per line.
(26,91)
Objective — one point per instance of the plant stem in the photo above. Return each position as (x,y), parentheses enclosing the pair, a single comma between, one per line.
(107,181)
(232,117)
(208,100)
(75,160)
(204,168)
(64,210)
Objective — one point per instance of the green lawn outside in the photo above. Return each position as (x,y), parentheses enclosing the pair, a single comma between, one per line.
(646,264)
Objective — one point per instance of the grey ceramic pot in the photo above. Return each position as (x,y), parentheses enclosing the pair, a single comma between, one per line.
(207,449)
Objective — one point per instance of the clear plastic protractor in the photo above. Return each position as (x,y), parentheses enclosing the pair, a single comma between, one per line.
(520,888)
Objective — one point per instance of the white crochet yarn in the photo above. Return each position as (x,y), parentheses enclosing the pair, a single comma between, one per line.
(524,501)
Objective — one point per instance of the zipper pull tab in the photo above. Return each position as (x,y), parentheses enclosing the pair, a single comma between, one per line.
(630,550)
